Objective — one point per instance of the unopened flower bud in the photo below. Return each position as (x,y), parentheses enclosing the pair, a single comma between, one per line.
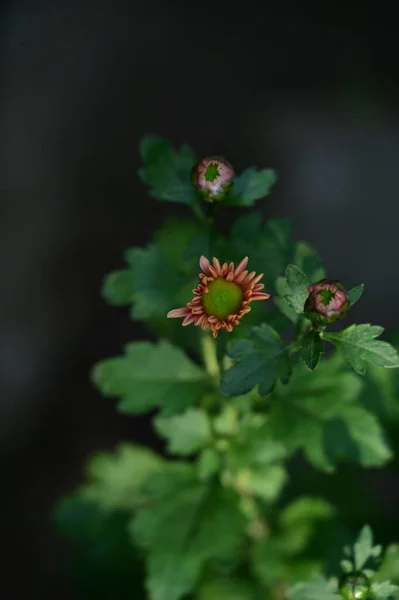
(355,586)
(327,302)
(213,178)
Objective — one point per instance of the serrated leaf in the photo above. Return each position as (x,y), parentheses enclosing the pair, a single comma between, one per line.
(317,590)
(151,376)
(362,549)
(355,293)
(261,361)
(186,433)
(251,185)
(384,591)
(298,283)
(189,524)
(167,171)
(312,348)
(115,479)
(359,347)
(320,416)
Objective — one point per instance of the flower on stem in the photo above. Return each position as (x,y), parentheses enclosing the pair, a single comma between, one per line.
(213,177)
(327,302)
(222,296)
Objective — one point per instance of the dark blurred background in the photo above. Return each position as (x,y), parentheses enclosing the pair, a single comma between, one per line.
(310,89)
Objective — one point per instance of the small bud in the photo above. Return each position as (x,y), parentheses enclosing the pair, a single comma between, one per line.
(213,178)
(355,586)
(327,302)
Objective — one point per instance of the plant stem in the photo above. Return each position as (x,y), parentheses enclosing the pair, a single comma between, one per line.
(209,355)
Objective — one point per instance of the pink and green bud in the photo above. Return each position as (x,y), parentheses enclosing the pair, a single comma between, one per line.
(327,302)
(213,177)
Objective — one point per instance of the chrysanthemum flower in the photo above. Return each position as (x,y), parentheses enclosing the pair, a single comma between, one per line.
(222,296)
(213,177)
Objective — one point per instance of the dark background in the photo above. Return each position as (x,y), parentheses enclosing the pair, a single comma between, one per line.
(310,89)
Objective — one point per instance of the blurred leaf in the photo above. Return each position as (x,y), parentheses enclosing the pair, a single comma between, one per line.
(155,282)
(209,463)
(115,478)
(389,567)
(317,590)
(261,360)
(101,562)
(117,288)
(309,262)
(251,185)
(320,416)
(359,347)
(385,591)
(186,526)
(312,348)
(186,433)
(362,549)
(355,293)
(167,171)
(150,376)
(306,509)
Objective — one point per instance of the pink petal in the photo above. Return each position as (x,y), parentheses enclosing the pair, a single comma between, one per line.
(178,312)
(260,296)
(188,320)
(204,264)
(217,266)
(240,268)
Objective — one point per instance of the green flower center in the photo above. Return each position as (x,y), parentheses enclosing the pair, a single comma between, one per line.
(326,296)
(212,172)
(224,298)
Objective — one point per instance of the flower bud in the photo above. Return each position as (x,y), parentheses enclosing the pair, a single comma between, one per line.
(327,302)
(355,586)
(213,178)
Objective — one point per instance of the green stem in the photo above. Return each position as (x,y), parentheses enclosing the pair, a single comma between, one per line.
(209,355)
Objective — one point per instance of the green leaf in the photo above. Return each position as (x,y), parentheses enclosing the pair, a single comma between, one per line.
(151,376)
(209,463)
(384,591)
(156,282)
(250,186)
(298,283)
(115,479)
(359,347)
(312,348)
(309,262)
(320,415)
(306,509)
(317,590)
(355,293)
(188,524)
(363,548)
(186,433)
(265,482)
(117,288)
(261,361)
(167,171)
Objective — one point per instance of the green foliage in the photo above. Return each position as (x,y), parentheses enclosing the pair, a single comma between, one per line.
(321,416)
(355,294)
(226,518)
(251,185)
(359,347)
(186,433)
(167,171)
(188,524)
(312,348)
(261,360)
(150,376)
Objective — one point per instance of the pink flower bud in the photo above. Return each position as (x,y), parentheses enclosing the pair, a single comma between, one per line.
(327,302)
(213,178)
